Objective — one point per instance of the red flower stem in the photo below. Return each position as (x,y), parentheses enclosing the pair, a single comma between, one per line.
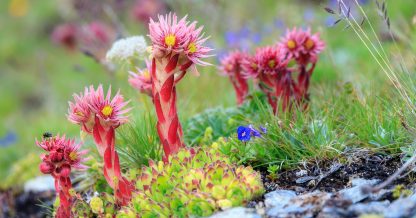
(105,141)
(62,186)
(164,99)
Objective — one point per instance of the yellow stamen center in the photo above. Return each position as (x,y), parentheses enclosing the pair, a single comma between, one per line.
(73,155)
(291,44)
(146,74)
(191,48)
(79,113)
(170,40)
(309,44)
(254,66)
(107,110)
(271,63)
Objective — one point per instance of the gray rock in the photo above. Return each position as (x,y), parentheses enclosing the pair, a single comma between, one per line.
(40,184)
(303,205)
(403,207)
(376,207)
(278,198)
(354,194)
(237,212)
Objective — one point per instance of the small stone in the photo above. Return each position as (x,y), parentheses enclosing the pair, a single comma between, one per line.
(300,206)
(278,198)
(311,183)
(403,207)
(237,212)
(355,193)
(301,173)
(376,207)
(40,184)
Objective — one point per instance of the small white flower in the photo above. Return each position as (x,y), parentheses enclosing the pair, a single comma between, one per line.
(124,49)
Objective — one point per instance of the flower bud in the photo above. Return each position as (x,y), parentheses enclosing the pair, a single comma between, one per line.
(46,168)
(56,156)
(65,171)
(96,205)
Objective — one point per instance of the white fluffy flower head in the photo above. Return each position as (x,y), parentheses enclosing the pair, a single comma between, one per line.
(127,48)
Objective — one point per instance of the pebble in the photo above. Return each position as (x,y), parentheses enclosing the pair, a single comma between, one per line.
(40,184)
(354,194)
(237,212)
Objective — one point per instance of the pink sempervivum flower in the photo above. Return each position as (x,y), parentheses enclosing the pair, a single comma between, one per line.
(80,113)
(313,45)
(271,60)
(251,67)
(66,35)
(302,45)
(63,155)
(292,42)
(231,66)
(194,48)
(306,50)
(177,46)
(142,80)
(269,68)
(104,116)
(168,34)
(110,112)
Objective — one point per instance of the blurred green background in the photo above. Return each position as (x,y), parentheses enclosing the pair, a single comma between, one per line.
(38,76)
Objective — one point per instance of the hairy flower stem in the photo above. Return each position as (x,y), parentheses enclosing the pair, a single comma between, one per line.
(164,98)
(62,187)
(105,140)
(240,87)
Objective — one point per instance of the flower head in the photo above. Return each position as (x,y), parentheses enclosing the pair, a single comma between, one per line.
(302,45)
(194,49)
(292,42)
(169,34)
(243,133)
(271,60)
(143,10)
(124,49)
(251,66)
(142,80)
(180,37)
(313,45)
(79,111)
(109,111)
(63,154)
(233,62)
(254,132)
(66,35)
(93,105)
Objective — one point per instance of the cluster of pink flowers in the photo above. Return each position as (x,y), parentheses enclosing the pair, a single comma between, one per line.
(99,115)
(177,46)
(93,38)
(62,156)
(269,66)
